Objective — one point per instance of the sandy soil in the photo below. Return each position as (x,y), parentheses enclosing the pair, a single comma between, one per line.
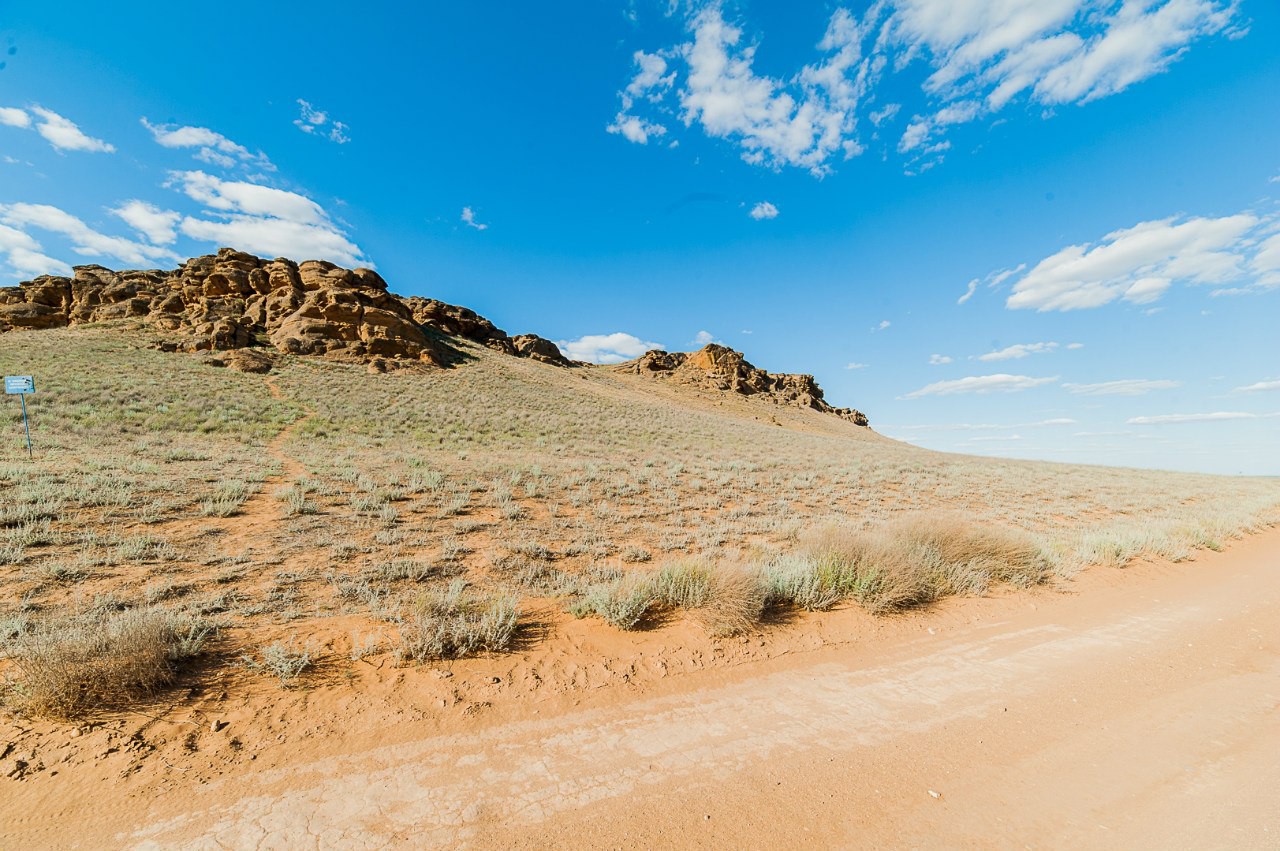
(1141,710)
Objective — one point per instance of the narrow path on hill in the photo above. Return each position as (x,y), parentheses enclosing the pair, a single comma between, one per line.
(1144,713)
(262,512)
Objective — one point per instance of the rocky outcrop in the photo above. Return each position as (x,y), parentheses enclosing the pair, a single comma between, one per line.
(459,322)
(540,349)
(231,300)
(720,368)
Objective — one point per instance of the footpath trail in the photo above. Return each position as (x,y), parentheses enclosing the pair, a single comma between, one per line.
(260,516)
(1143,712)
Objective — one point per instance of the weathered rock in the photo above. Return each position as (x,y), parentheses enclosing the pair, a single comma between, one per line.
(720,368)
(540,349)
(232,300)
(459,322)
(243,360)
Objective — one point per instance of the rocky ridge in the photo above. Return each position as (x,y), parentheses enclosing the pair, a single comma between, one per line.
(231,301)
(237,309)
(721,368)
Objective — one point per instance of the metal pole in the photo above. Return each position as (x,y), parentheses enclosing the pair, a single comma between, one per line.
(25,426)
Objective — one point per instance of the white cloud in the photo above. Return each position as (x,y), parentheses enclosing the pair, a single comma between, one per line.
(702,338)
(1139,263)
(635,129)
(84,239)
(884,323)
(853,365)
(606,348)
(1074,346)
(978,57)
(58,131)
(211,147)
(802,120)
(982,384)
(764,210)
(317,123)
(973,285)
(14,117)
(25,257)
(264,220)
(469,219)
(1197,418)
(1259,387)
(939,360)
(158,226)
(1122,387)
(1019,350)
(1058,421)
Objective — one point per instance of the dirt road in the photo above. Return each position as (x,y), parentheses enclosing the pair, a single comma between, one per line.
(1143,712)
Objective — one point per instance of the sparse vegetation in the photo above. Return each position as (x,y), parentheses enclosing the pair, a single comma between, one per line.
(155,484)
(455,623)
(69,667)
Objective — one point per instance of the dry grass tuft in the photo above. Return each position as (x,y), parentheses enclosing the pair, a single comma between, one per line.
(69,667)
(454,623)
(735,601)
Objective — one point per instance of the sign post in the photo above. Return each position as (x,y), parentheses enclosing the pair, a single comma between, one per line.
(20,386)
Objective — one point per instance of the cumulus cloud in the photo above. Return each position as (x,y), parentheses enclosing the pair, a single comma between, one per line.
(211,147)
(703,338)
(25,256)
(939,360)
(263,220)
(84,240)
(606,348)
(981,384)
(469,219)
(764,210)
(1216,416)
(1122,387)
(1140,263)
(316,122)
(158,226)
(1018,350)
(976,56)
(802,120)
(1259,387)
(14,117)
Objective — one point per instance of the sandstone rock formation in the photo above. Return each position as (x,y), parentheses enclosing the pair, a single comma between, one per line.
(720,368)
(233,300)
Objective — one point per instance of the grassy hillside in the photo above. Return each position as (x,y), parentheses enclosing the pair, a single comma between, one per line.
(266,506)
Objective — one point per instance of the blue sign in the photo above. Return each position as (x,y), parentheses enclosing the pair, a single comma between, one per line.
(19,384)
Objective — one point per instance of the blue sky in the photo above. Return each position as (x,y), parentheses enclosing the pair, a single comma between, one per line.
(1046,232)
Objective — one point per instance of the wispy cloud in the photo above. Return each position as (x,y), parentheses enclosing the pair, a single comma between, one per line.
(1259,386)
(468,218)
(1216,416)
(980,384)
(855,365)
(315,122)
(606,348)
(1122,387)
(1140,263)
(210,146)
(84,239)
(939,360)
(60,132)
(976,61)
(1018,350)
